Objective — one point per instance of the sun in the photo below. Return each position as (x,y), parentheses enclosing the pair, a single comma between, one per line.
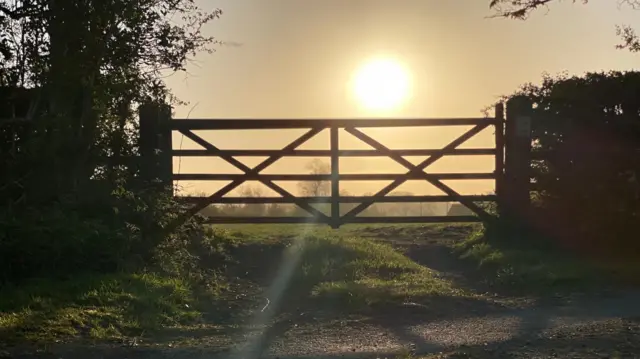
(381,85)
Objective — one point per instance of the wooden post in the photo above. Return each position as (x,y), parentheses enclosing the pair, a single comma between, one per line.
(518,156)
(156,144)
(499,161)
(335,183)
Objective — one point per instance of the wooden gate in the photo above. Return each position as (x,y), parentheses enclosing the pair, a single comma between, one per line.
(154,120)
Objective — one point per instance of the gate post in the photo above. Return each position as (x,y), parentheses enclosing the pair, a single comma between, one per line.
(499,161)
(517,169)
(156,144)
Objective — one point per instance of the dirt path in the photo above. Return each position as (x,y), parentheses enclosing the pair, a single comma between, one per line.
(486,326)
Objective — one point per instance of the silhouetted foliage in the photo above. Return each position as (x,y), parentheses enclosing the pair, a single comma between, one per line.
(586,132)
(72,74)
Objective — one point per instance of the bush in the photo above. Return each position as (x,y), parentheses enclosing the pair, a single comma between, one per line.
(55,241)
(105,232)
(195,252)
(586,138)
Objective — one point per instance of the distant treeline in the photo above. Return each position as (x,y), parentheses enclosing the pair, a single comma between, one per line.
(375,210)
(322,189)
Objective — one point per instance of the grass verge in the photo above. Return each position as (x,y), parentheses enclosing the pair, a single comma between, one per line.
(95,307)
(183,288)
(521,263)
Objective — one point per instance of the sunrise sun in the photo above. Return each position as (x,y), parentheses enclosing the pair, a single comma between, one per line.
(381,84)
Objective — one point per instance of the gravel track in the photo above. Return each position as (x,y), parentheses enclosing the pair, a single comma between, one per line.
(587,329)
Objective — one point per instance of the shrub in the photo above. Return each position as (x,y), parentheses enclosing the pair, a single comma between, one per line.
(586,140)
(103,233)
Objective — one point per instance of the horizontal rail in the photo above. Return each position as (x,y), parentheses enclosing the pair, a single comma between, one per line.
(354,220)
(345,199)
(275,124)
(322,153)
(327,177)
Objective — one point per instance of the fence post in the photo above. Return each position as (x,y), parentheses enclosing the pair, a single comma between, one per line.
(517,169)
(156,144)
(499,161)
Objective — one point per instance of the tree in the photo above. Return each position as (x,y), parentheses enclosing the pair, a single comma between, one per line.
(67,185)
(90,63)
(253,209)
(278,210)
(520,9)
(318,188)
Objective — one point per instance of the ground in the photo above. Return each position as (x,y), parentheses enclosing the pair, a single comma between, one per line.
(414,291)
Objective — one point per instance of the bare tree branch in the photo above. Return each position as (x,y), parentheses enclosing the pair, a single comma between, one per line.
(519,9)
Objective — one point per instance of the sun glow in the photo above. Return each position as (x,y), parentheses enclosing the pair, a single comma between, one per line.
(381,85)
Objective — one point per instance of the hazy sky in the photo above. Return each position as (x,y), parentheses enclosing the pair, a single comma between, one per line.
(294,59)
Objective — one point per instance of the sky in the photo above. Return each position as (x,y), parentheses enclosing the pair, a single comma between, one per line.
(296,58)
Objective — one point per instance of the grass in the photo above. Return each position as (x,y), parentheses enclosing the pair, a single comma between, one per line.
(337,268)
(363,272)
(94,307)
(345,267)
(519,263)
(523,267)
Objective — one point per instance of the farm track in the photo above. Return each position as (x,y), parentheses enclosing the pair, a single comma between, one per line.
(488,325)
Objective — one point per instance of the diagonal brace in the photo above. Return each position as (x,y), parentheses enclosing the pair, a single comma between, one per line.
(251,171)
(264,164)
(413,169)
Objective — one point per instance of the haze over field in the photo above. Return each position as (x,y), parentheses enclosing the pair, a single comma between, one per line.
(283,61)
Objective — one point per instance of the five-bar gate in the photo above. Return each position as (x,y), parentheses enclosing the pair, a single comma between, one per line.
(156,120)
